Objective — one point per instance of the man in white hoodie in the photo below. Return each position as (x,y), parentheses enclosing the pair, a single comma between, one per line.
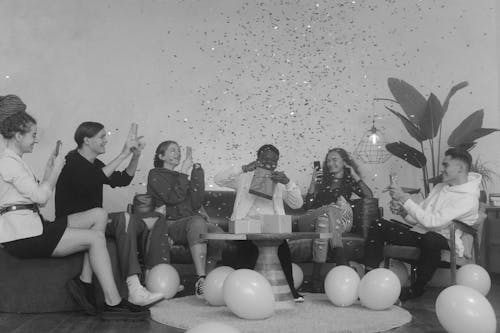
(457,197)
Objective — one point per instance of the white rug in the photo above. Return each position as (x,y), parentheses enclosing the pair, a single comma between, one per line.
(316,315)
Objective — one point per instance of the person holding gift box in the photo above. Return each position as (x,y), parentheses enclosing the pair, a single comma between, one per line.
(180,200)
(329,209)
(261,190)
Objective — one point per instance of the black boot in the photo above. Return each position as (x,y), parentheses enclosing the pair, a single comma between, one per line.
(317,283)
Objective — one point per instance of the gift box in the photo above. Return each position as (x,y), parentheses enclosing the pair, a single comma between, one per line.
(279,224)
(245,227)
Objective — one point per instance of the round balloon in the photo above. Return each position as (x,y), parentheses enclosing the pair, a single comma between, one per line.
(298,275)
(474,276)
(461,309)
(341,285)
(163,278)
(214,283)
(399,268)
(379,289)
(213,327)
(248,294)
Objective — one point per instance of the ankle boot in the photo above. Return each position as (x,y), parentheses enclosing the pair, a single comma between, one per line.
(317,283)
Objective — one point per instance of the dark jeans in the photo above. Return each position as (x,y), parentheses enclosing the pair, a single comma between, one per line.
(248,252)
(129,235)
(430,244)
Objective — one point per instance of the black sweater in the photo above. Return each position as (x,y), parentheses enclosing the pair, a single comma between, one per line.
(80,184)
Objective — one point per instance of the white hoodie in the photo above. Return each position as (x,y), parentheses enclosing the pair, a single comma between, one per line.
(444,204)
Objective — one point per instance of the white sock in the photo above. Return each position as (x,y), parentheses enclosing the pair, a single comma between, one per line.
(133,283)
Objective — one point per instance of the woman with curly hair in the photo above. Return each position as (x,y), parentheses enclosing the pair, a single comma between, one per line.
(329,207)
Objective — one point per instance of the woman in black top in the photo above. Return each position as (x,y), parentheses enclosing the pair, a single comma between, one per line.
(329,207)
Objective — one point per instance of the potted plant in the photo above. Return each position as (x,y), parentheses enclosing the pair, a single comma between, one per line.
(423,121)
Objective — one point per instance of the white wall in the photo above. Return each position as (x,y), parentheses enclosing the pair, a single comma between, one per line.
(227,76)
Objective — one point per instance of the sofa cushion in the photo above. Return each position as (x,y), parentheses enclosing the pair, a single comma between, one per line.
(39,285)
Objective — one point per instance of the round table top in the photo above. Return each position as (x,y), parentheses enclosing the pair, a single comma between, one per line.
(266,236)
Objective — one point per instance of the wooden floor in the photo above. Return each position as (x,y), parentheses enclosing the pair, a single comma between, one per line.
(422,310)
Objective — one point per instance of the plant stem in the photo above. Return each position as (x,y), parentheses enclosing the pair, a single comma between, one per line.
(385,99)
(424,171)
(439,147)
(431,144)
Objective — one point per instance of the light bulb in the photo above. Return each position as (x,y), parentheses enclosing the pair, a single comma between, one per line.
(374,138)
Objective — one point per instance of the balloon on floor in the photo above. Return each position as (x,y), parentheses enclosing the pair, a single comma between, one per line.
(341,285)
(213,327)
(163,278)
(474,276)
(248,294)
(399,268)
(214,283)
(298,275)
(461,309)
(379,289)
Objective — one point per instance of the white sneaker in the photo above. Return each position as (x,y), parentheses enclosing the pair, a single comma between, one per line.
(143,297)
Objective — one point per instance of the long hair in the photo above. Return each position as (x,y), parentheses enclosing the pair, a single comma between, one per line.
(160,150)
(348,161)
(87,129)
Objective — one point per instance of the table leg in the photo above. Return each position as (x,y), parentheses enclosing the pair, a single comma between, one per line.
(268,264)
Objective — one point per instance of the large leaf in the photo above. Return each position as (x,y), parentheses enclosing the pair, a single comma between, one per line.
(476,134)
(466,145)
(412,102)
(469,124)
(452,92)
(407,153)
(430,122)
(412,129)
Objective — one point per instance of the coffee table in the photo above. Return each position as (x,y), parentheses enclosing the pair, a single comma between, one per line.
(268,263)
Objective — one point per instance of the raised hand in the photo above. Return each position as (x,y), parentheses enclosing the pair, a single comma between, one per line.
(188,161)
(279,177)
(249,167)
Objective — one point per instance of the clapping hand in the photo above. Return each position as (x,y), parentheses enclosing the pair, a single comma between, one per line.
(188,161)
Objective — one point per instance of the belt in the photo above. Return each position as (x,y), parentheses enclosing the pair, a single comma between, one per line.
(33,207)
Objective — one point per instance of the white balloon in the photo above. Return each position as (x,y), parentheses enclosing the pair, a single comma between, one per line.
(165,279)
(399,268)
(379,289)
(213,327)
(461,309)
(474,276)
(341,285)
(298,275)
(248,294)
(214,283)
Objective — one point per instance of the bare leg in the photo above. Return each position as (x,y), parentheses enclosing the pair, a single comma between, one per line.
(199,255)
(77,240)
(93,219)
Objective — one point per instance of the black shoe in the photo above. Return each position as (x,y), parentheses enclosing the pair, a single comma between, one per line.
(408,293)
(83,295)
(124,311)
(298,298)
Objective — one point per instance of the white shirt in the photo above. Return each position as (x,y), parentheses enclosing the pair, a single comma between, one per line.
(18,185)
(235,178)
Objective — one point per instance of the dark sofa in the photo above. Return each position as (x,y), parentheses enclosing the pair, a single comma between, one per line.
(38,285)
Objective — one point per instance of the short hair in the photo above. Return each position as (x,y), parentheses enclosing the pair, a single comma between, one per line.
(87,129)
(160,150)
(461,155)
(266,148)
(20,122)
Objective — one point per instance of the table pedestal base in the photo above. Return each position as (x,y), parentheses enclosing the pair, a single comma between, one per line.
(268,264)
